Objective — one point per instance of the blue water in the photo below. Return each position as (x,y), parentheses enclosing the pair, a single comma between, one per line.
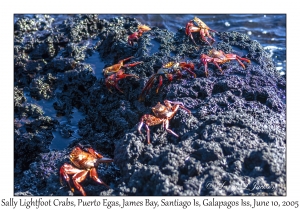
(96,63)
(268,29)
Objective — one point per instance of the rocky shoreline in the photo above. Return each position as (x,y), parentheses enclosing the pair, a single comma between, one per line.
(233,143)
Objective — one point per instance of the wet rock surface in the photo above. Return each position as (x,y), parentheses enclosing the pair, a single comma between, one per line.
(233,142)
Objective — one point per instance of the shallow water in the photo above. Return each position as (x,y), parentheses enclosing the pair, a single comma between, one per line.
(268,29)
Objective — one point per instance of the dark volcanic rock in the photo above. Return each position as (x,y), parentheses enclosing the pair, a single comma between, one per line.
(233,140)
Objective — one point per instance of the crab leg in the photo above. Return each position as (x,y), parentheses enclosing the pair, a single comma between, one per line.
(79,177)
(94,176)
(209,36)
(148,133)
(188,70)
(169,130)
(204,61)
(93,152)
(202,34)
(132,64)
(189,33)
(147,129)
(118,88)
(149,120)
(180,104)
(243,59)
(67,170)
(126,59)
(147,87)
(160,83)
(238,58)
(214,62)
(241,63)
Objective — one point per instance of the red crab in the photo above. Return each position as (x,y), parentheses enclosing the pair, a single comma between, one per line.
(197,25)
(168,70)
(115,73)
(136,35)
(219,57)
(162,115)
(83,163)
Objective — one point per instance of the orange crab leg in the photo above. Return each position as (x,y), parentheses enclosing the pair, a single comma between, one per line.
(241,63)
(94,176)
(67,170)
(243,59)
(126,59)
(214,62)
(132,64)
(79,177)
(238,58)
(94,153)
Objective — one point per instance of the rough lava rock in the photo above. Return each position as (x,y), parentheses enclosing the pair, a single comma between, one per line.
(233,143)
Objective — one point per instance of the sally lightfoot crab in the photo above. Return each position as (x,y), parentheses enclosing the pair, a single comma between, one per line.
(219,57)
(83,163)
(136,35)
(197,25)
(115,73)
(168,70)
(162,114)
